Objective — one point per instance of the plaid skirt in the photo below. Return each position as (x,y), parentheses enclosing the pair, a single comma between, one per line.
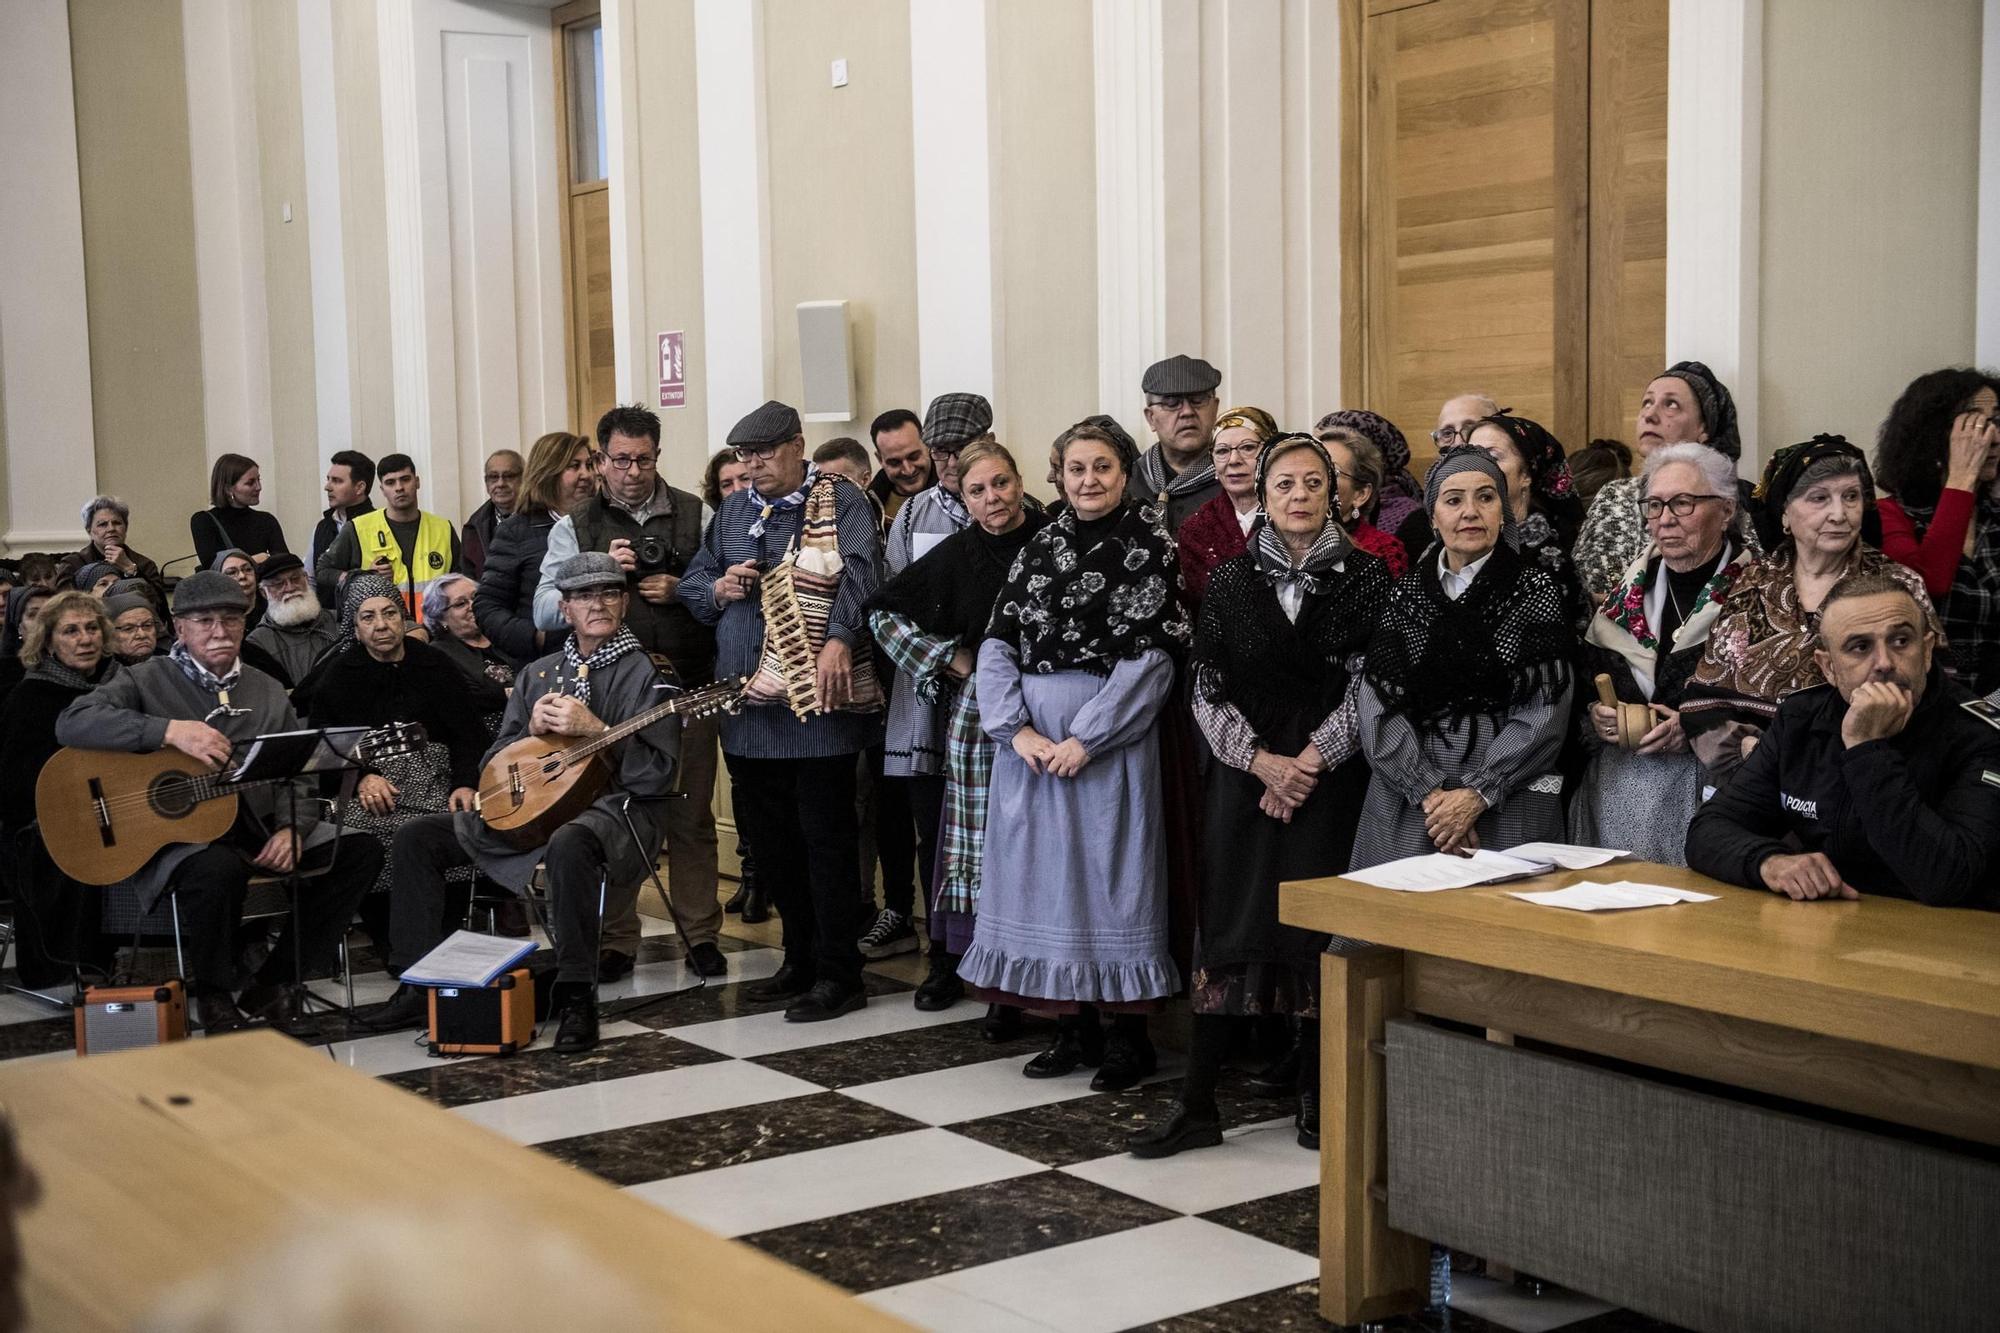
(968,772)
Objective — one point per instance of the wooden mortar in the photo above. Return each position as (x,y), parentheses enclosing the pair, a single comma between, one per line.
(1634,720)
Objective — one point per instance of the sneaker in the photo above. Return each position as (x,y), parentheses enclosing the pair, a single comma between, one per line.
(890,935)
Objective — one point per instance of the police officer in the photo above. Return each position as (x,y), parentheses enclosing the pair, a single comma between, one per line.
(1886,781)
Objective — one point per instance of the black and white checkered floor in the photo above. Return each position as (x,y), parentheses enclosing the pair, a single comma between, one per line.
(899,1155)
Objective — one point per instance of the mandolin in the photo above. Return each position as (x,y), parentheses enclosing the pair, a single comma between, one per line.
(539,783)
(104,813)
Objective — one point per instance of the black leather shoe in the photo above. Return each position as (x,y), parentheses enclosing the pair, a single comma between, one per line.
(941,989)
(1073,1048)
(786,983)
(1125,1063)
(1180,1131)
(827,999)
(277,1006)
(614,966)
(756,905)
(707,960)
(218,1014)
(1277,1080)
(738,898)
(577,1032)
(1003,1023)
(409,1007)
(1307,1120)
(511,919)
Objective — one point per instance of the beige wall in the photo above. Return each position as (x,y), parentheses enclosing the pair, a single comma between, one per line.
(138,258)
(670,204)
(843,194)
(1871,170)
(364,229)
(1046,189)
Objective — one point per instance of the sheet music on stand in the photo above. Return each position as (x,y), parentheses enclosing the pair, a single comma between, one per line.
(288,754)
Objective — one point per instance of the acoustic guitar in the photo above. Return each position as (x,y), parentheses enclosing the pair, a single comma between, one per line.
(104,813)
(539,783)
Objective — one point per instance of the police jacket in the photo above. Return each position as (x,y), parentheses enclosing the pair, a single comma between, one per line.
(1914,816)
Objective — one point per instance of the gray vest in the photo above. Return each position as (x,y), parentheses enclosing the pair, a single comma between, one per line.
(669,631)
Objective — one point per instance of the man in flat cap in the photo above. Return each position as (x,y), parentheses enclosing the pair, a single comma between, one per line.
(652,530)
(1177,472)
(202,700)
(599,678)
(795,780)
(295,629)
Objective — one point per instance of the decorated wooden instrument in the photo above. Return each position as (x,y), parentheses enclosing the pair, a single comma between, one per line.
(539,783)
(797,599)
(104,813)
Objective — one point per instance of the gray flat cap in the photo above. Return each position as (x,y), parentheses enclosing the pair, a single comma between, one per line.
(1180,375)
(956,419)
(207,590)
(589,569)
(773,423)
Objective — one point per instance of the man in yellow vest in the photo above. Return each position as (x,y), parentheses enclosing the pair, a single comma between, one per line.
(405,545)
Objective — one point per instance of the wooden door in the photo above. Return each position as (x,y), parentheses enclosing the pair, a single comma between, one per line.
(1505,225)
(586,213)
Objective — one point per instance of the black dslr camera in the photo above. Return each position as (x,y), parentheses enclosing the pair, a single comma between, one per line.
(654,554)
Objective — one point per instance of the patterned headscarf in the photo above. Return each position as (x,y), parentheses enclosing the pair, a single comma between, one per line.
(1781,478)
(1255,419)
(1551,489)
(1718,408)
(1382,433)
(1464,458)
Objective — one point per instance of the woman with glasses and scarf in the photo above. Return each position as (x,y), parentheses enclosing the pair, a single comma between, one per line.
(1220,528)
(1277,667)
(1466,693)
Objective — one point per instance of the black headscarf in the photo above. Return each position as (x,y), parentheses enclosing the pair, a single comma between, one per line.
(17,615)
(1718,408)
(1503,643)
(1781,478)
(1086,603)
(1551,493)
(951,590)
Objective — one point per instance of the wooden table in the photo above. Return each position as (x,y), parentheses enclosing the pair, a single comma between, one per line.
(141,1189)
(1879,1007)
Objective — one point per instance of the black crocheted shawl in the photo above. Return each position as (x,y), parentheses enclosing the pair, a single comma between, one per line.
(1072,604)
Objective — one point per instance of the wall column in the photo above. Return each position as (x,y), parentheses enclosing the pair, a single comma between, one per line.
(634,373)
(1715,118)
(1987,328)
(44,324)
(737,317)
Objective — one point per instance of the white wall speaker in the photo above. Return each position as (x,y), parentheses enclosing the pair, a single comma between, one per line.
(826,361)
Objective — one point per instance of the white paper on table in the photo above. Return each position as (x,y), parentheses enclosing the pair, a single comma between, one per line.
(922,544)
(1568,855)
(1624,894)
(1428,874)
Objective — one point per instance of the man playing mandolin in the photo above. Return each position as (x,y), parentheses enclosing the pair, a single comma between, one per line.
(600,678)
(202,701)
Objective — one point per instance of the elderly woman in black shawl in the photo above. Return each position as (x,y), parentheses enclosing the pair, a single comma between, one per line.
(929,619)
(1466,697)
(1277,681)
(1078,662)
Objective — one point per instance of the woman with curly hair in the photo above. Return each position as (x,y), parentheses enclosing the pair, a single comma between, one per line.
(1937,457)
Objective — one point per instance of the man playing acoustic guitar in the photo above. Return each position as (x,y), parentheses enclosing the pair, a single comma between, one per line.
(200,700)
(599,678)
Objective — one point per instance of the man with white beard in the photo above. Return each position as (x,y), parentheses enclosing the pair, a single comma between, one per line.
(295,628)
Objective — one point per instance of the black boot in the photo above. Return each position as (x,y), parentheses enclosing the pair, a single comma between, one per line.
(941,989)
(746,879)
(1077,1043)
(1181,1130)
(1307,1119)
(1278,1079)
(738,898)
(1003,1023)
(756,904)
(1128,1056)
(577,1006)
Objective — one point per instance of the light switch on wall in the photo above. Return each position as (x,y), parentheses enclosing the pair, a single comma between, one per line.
(288,212)
(840,73)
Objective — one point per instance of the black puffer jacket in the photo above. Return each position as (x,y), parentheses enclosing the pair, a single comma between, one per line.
(505,603)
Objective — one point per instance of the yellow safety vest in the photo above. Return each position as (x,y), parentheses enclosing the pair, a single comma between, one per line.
(432,556)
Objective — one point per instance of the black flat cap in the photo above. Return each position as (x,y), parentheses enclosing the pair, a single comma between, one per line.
(773,423)
(955,419)
(282,563)
(1180,375)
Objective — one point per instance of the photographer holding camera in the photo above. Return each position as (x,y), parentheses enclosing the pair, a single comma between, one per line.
(652,530)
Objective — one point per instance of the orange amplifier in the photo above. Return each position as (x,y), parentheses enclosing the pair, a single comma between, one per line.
(484,1020)
(130,1017)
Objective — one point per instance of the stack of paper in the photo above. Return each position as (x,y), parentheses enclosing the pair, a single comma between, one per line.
(1567,855)
(1614,897)
(1428,874)
(466,959)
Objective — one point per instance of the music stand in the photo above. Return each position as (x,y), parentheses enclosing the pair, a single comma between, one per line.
(278,757)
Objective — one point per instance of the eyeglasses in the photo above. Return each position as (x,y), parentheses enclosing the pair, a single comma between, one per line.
(213,620)
(950,451)
(1680,506)
(1175,402)
(1447,436)
(1222,452)
(626,462)
(492,477)
(596,596)
(458,604)
(746,452)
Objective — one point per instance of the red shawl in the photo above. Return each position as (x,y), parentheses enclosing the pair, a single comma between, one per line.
(1209,537)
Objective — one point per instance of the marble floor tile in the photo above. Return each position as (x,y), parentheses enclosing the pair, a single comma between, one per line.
(400,1052)
(831,1182)
(1514,1307)
(949,1045)
(945,1232)
(654,978)
(1097,1125)
(540,1070)
(669,948)
(1252,1161)
(730,1137)
(640,1099)
(16,1008)
(1104,1284)
(769,1033)
(37,1036)
(731,999)
(1290,1219)
(977,1091)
